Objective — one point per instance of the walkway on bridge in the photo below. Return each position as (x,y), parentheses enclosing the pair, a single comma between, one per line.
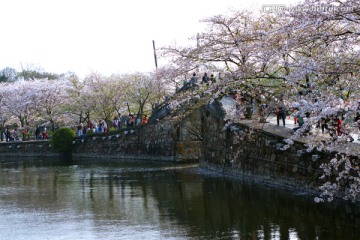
(289,123)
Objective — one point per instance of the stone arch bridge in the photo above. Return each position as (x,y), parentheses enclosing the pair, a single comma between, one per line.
(201,138)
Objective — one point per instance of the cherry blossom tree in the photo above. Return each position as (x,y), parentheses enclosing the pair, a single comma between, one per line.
(19,99)
(140,89)
(308,55)
(103,93)
(50,98)
(79,104)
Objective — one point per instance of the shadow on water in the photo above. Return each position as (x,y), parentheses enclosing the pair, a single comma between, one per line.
(132,200)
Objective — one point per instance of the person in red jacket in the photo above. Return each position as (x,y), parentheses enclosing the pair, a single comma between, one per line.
(145,120)
(339,126)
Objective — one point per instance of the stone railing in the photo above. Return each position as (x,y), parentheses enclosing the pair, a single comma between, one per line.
(42,148)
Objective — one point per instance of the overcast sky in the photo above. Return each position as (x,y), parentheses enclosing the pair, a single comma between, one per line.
(105,36)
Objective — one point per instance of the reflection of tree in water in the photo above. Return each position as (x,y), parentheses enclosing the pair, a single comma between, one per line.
(173,200)
(216,206)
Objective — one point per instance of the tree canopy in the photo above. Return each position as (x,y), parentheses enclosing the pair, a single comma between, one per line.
(307,55)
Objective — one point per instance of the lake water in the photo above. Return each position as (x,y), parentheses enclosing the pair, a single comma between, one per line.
(88,200)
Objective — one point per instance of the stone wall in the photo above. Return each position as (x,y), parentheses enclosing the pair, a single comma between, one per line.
(154,141)
(259,156)
(158,141)
(28,149)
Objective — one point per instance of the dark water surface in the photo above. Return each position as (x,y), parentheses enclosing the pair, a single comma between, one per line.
(84,200)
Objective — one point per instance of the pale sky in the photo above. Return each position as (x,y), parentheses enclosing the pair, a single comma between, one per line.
(105,36)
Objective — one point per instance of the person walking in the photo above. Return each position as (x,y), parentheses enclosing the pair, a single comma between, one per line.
(7,134)
(299,115)
(115,123)
(281,112)
(80,130)
(194,81)
(145,119)
(45,134)
(205,79)
(212,78)
(37,133)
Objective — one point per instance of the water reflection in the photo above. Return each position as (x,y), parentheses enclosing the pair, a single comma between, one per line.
(85,200)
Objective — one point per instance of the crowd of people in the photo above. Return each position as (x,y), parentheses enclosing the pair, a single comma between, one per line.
(334,124)
(194,82)
(117,123)
(14,134)
(11,134)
